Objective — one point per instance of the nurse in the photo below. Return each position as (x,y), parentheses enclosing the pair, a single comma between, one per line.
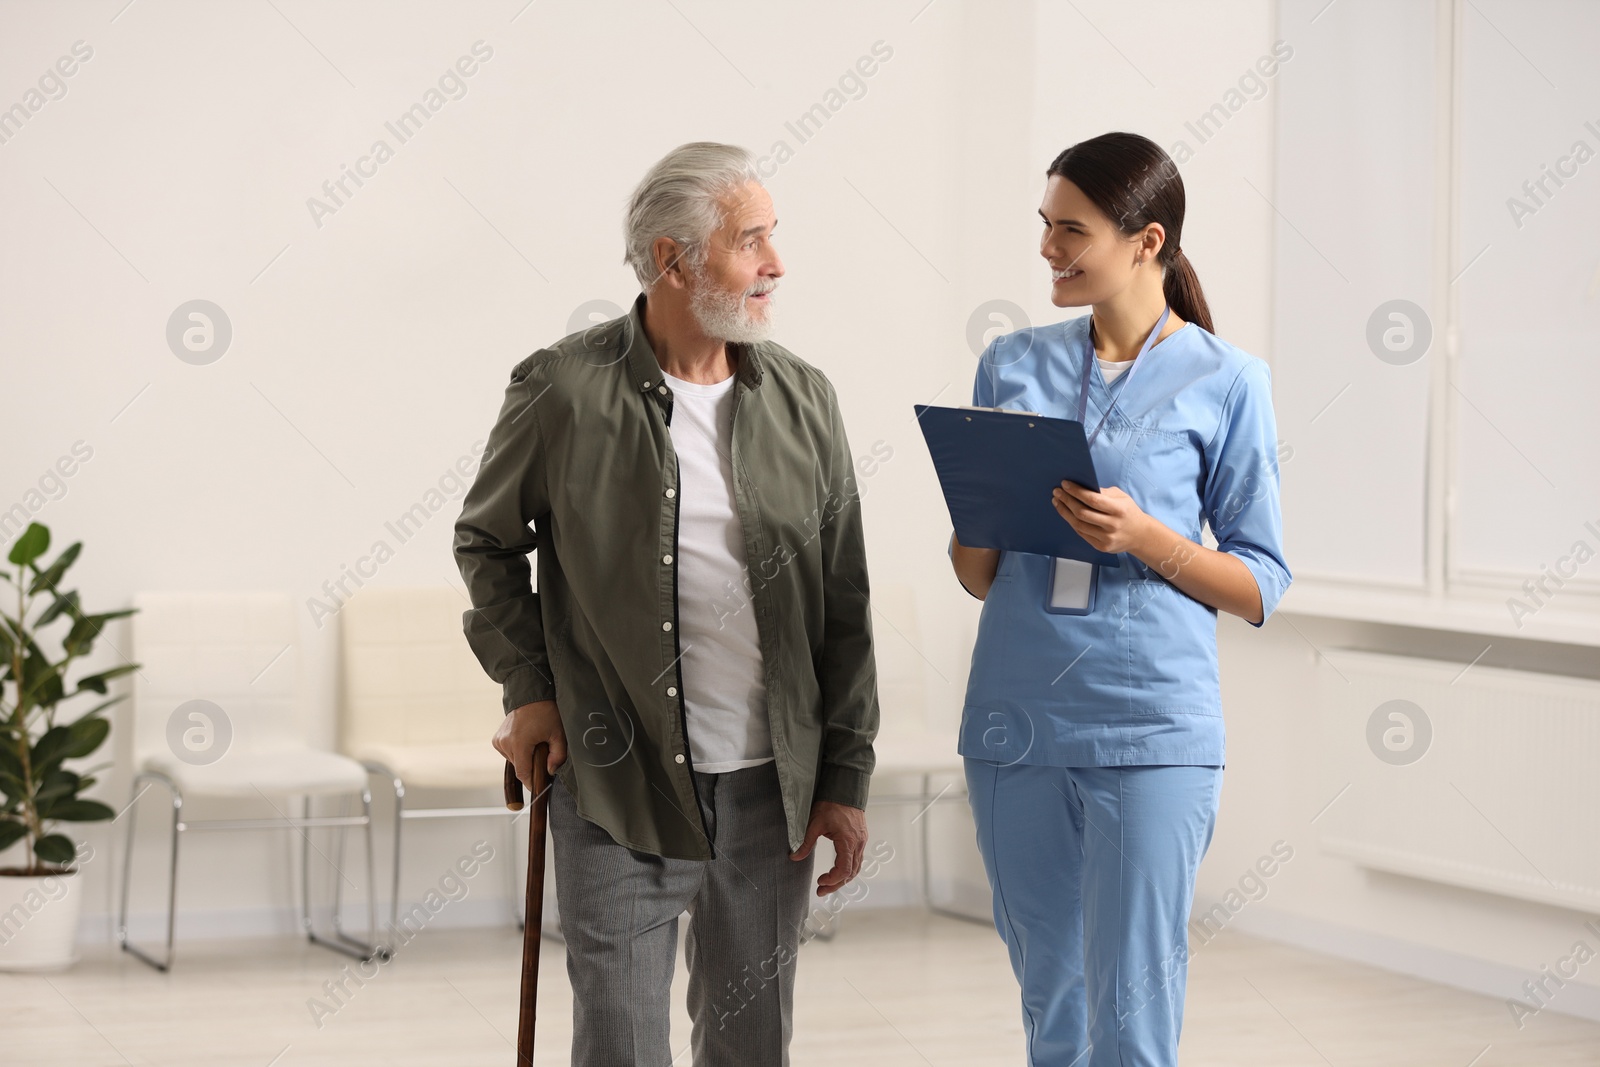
(1092,730)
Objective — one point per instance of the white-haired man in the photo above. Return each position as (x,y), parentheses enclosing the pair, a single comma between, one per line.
(699,652)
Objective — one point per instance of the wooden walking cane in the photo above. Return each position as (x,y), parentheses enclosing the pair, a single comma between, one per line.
(534,908)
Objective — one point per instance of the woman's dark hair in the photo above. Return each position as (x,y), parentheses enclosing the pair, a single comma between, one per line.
(1134,183)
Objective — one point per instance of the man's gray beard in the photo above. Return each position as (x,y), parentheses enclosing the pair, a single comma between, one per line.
(722,315)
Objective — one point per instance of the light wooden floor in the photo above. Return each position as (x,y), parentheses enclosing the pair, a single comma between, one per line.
(896,987)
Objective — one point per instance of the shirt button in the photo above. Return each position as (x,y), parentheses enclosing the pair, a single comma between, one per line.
(678,758)
(644,385)
(661,389)
(667,558)
(666,626)
(672,690)
(671,493)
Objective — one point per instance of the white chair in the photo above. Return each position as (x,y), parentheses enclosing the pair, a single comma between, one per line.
(924,756)
(905,748)
(217,713)
(419,710)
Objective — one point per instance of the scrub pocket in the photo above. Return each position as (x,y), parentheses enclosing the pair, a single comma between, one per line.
(1170,640)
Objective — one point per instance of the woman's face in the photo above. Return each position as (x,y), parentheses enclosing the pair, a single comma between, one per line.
(1090,262)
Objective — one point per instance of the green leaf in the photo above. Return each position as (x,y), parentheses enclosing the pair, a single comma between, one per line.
(49,750)
(41,679)
(57,784)
(85,735)
(80,639)
(10,768)
(87,627)
(10,762)
(77,811)
(65,602)
(54,848)
(48,693)
(97,682)
(31,545)
(104,704)
(48,578)
(11,831)
(68,742)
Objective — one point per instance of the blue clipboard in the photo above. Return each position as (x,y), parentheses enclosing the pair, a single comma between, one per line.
(997,469)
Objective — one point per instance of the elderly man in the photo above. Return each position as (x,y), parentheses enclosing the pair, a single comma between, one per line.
(699,651)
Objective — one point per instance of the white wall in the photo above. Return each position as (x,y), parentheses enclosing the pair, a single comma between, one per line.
(1278,781)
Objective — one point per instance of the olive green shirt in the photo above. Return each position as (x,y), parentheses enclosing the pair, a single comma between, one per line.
(581,452)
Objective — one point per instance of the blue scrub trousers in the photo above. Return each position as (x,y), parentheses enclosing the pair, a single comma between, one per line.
(1093,873)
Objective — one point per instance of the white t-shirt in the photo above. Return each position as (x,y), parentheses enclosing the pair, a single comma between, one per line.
(1112,369)
(724,688)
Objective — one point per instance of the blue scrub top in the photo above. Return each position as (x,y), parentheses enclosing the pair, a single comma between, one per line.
(1135,681)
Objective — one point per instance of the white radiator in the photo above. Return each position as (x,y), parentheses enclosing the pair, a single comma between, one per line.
(1504,796)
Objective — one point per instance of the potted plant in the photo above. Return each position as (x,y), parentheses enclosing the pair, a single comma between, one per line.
(40,901)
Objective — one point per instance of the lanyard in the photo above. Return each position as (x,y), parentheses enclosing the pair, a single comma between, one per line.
(1127,376)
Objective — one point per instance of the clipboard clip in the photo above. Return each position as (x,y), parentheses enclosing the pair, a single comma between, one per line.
(1008,411)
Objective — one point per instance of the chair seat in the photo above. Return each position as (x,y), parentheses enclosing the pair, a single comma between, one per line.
(277,771)
(449,765)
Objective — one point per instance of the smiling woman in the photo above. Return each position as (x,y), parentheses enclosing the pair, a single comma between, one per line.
(1092,731)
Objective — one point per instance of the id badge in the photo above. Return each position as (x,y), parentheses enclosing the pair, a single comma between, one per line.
(1071,588)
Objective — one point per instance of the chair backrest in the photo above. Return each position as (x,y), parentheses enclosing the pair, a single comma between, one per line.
(410,678)
(902,664)
(239,650)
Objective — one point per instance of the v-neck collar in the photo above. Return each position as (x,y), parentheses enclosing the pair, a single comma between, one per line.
(1100,376)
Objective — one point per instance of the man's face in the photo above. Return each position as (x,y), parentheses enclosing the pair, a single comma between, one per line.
(731,296)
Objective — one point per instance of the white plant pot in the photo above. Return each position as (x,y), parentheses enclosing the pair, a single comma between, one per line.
(39,921)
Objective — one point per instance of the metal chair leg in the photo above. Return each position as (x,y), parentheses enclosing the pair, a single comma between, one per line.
(518,904)
(929,803)
(927,853)
(372,885)
(172,872)
(305,870)
(374,767)
(341,942)
(512,865)
(384,951)
(338,869)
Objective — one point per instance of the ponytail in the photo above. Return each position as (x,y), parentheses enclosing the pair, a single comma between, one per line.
(1181,286)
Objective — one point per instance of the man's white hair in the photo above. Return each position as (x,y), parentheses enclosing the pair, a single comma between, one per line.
(679,199)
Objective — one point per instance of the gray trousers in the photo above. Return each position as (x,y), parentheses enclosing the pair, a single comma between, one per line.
(619,913)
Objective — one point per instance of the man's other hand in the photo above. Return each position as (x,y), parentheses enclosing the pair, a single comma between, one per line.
(846,827)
